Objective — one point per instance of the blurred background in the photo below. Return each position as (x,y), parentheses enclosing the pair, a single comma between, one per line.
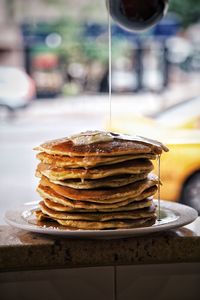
(54,82)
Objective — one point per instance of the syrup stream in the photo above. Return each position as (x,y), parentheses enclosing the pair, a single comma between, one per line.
(110,67)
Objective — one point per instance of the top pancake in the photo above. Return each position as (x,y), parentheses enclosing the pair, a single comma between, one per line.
(101,145)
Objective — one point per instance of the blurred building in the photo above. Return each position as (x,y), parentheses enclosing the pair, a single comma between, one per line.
(49,10)
(10,39)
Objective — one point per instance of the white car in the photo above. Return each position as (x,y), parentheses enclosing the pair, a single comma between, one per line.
(17,89)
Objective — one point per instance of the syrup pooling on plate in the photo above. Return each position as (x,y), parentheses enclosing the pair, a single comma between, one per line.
(29,217)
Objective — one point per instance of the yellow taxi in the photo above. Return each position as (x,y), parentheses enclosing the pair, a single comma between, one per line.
(179,128)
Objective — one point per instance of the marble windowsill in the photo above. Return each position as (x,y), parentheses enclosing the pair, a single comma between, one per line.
(21,250)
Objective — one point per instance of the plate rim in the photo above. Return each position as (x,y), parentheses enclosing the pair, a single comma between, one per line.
(177,208)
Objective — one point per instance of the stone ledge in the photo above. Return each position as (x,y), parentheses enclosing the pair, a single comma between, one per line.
(21,250)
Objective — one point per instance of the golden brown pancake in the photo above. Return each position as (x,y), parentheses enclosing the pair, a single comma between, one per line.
(132,206)
(97,216)
(87,161)
(108,195)
(117,145)
(136,166)
(91,225)
(48,193)
(108,182)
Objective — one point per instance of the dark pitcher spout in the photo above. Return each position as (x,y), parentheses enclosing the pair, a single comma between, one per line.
(136,15)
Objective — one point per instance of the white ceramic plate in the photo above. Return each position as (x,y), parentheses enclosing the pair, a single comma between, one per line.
(173,215)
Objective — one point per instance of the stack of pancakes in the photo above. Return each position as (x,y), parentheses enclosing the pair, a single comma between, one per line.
(98,180)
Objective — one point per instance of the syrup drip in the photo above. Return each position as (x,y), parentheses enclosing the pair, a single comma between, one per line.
(159,210)
(110,66)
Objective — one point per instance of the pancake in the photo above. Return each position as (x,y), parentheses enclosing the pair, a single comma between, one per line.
(136,166)
(86,161)
(91,225)
(97,180)
(100,143)
(48,193)
(96,216)
(108,182)
(132,206)
(103,195)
